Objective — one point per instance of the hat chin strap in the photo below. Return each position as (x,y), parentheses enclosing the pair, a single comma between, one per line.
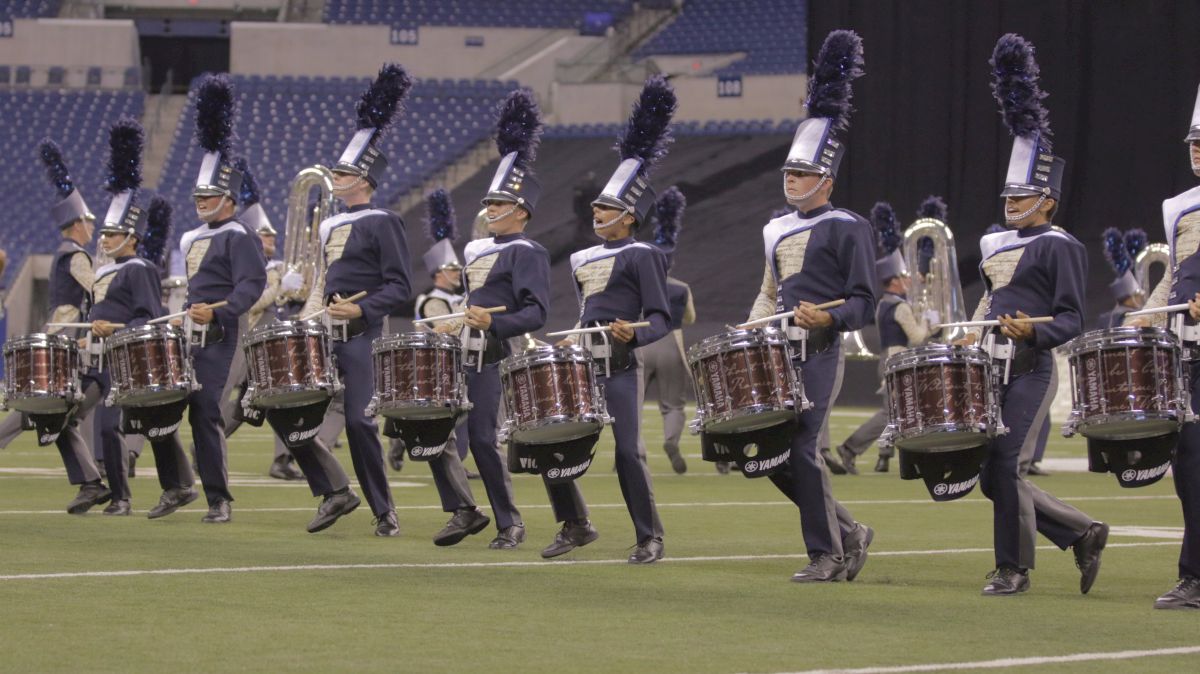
(1196,166)
(354,185)
(1021,216)
(214,210)
(491,221)
(596,224)
(793,199)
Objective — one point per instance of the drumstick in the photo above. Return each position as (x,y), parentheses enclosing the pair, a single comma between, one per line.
(588,331)
(1170,308)
(353,298)
(461,314)
(992,324)
(81,325)
(181,314)
(787,314)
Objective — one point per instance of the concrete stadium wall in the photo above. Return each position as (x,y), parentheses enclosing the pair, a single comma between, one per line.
(73,43)
(773,97)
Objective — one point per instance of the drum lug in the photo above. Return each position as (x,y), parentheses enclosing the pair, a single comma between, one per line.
(372,407)
(505,431)
(694,426)
(887,439)
(1071,427)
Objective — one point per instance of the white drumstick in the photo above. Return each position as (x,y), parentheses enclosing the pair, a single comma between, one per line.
(81,325)
(1170,308)
(461,314)
(589,331)
(993,323)
(181,314)
(787,314)
(353,298)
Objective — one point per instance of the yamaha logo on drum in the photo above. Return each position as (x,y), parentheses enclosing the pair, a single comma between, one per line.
(297,436)
(752,467)
(570,471)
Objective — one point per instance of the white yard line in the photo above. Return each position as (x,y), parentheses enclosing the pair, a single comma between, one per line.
(1005,663)
(486,565)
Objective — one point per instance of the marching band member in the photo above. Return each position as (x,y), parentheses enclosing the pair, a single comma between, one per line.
(818,254)
(507,270)
(1181,283)
(1121,251)
(70,294)
(224,262)
(1037,268)
(899,327)
(665,361)
(619,282)
(364,250)
(127,292)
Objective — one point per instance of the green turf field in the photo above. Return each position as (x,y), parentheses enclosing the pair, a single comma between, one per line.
(262,595)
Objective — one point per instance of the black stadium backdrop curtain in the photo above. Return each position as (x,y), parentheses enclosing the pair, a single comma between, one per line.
(1121,77)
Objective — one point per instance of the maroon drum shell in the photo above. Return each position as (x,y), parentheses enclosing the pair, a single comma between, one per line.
(1125,379)
(287,360)
(148,363)
(32,370)
(412,374)
(937,394)
(743,378)
(548,390)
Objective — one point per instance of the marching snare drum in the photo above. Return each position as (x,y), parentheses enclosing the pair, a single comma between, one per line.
(941,398)
(418,375)
(745,381)
(1127,383)
(289,364)
(41,373)
(551,394)
(148,366)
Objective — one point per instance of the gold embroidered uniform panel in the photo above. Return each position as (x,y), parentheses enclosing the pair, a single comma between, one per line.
(81,270)
(195,256)
(789,259)
(998,269)
(435,306)
(478,270)
(1187,242)
(592,277)
(336,243)
(100,287)
(267,298)
(64,313)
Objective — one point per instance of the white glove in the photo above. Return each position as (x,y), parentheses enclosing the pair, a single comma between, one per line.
(932,317)
(292,281)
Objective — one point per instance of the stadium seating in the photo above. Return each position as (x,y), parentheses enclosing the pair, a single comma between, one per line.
(529,14)
(771,32)
(288,123)
(78,120)
(30,9)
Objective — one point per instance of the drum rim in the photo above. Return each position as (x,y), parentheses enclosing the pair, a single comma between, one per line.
(708,347)
(284,329)
(258,394)
(545,355)
(707,419)
(403,340)
(40,339)
(513,427)
(936,354)
(1121,337)
(143,333)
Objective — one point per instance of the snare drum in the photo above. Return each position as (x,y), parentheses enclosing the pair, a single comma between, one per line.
(41,373)
(147,366)
(551,395)
(1126,384)
(941,398)
(745,381)
(418,375)
(289,364)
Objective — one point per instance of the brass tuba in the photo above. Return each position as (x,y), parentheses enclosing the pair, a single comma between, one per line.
(939,290)
(302,242)
(1155,253)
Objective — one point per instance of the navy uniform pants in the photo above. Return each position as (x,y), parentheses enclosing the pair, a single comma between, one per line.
(211,366)
(362,433)
(1186,467)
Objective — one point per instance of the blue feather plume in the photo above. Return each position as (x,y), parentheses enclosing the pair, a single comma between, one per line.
(214,114)
(994,228)
(56,168)
(887,228)
(439,216)
(381,100)
(125,141)
(248,195)
(647,134)
(519,126)
(669,207)
(1136,241)
(1114,251)
(1015,88)
(933,207)
(158,231)
(838,64)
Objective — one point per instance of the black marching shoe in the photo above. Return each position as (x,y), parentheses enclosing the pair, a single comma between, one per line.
(835,466)
(90,494)
(132,465)
(1006,581)
(722,467)
(171,500)
(282,469)
(118,508)
(508,538)
(848,458)
(334,506)
(1185,595)
(854,548)
(218,513)
(648,551)
(572,535)
(396,456)
(387,524)
(1036,469)
(472,475)
(1087,554)
(881,466)
(678,463)
(102,469)
(824,569)
(464,522)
